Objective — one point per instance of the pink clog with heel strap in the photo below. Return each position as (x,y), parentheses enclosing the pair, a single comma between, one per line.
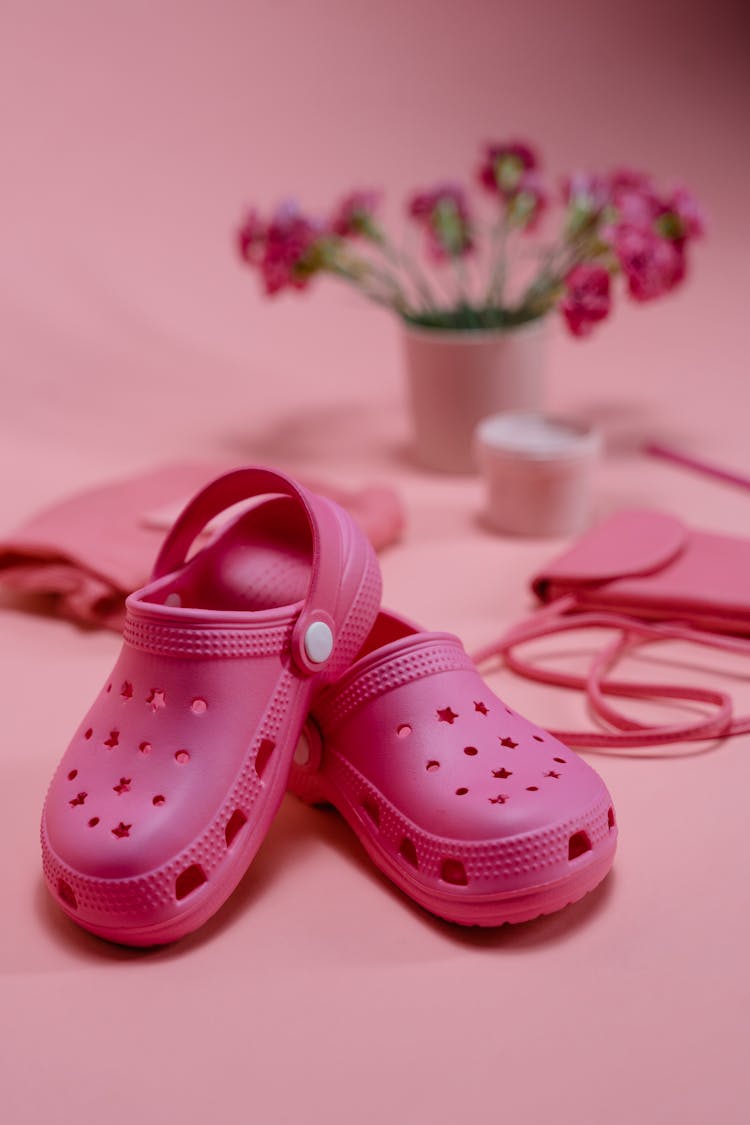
(170,783)
(474,812)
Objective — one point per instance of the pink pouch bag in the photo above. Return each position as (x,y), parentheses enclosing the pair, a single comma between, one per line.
(647,577)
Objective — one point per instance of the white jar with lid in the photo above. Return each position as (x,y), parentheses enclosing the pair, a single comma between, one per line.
(538,472)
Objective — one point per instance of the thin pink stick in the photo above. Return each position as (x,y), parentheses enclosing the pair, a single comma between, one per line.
(666,454)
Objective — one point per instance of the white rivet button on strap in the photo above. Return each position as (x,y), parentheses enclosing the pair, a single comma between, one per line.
(318,642)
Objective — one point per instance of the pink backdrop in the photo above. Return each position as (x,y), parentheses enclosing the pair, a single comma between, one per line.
(134,133)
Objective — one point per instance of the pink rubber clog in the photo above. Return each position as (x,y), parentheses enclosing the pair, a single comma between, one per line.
(474,812)
(173,777)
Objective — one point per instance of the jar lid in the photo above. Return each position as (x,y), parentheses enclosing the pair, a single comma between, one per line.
(526,435)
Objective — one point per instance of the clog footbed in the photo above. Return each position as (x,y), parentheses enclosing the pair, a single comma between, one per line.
(476,813)
(171,780)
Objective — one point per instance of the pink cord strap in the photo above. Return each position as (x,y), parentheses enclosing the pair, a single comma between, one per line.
(631,633)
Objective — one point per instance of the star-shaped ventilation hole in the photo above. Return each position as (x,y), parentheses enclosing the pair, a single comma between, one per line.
(509,743)
(157,699)
(446,715)
(78,799)
(503,773)
(552,773)
(499,800)
(126,691)
(123,786)
(113,740)
(482,708)
(122,830)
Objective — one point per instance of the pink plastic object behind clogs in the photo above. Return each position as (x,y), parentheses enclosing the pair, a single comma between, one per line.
(474,812)
(171,781)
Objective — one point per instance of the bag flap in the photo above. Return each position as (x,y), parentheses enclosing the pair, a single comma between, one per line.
(630,543)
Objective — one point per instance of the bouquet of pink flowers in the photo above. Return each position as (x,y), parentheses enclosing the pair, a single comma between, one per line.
(609,226)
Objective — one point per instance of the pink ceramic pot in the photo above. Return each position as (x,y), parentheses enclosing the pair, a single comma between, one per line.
(457,378)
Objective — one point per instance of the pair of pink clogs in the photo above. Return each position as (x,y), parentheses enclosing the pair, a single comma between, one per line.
(263,662)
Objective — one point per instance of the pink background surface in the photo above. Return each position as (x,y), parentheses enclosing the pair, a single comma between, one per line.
(134,134)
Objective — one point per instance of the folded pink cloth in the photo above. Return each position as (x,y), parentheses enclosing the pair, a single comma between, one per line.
(88,552)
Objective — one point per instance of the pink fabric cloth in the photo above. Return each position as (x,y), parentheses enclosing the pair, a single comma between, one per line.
(87,552)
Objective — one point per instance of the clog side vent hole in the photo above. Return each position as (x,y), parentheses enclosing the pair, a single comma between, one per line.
(263,757)
(189,881)
(65,892)
(578,844)
(454,872)
(372,809)
(236,822)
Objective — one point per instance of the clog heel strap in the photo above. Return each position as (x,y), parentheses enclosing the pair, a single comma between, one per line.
(314,634)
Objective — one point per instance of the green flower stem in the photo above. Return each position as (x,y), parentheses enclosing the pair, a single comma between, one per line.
(462,281)
(365,270)
(499,264)
(545,289)
(391,298)
(461,295)
(403,261)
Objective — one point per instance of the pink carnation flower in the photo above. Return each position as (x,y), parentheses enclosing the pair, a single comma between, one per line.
(444,213)
(509,170)
(587,190)
(637,209)
(504,164)
(634,197)
(528,202)
(355,213)
(627,179)
(652,265)
(291,250)
(688,212)
(587,298)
